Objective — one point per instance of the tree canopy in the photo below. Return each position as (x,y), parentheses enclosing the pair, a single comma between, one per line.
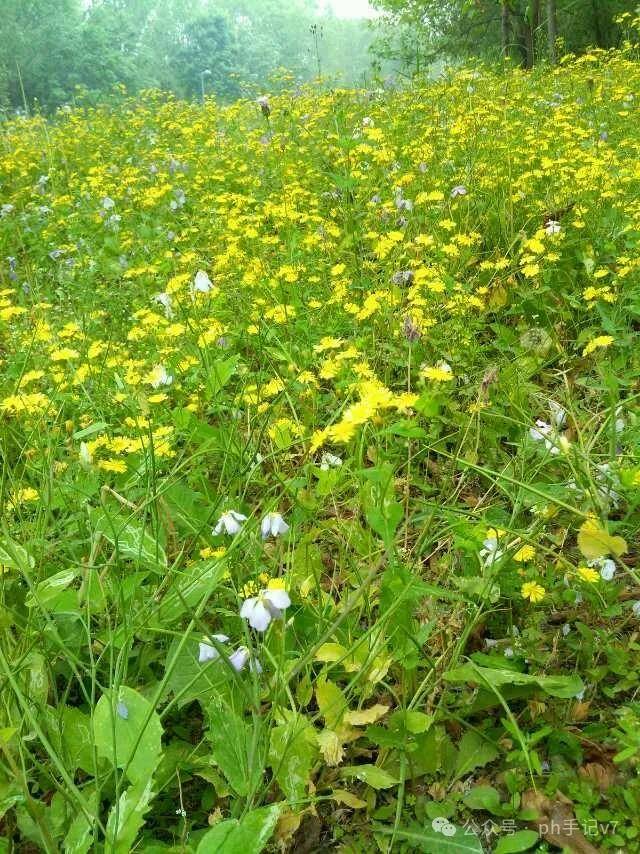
(49,48)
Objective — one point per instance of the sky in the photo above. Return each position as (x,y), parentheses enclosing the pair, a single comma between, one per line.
(351,8)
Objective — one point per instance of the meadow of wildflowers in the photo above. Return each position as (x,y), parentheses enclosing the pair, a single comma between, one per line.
(319,431)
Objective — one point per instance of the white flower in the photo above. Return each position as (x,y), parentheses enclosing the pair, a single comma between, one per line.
(241,657)
(330,461)
(558,414)
(553,227)
(544,432)
(230,522)
(210,653)
(108,203)
(85,455)
(490,553)
(273,525)
(460,190)
(636,609)
(549,433)
(606,566)
(202,283)
(263,103)
(266,606)
(566,628)
(159,377)
(165,300)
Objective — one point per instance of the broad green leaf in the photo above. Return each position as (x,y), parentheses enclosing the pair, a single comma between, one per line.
(484,798)
(385,521)
(79,838)
(10,795)
(595,542)
(565,687)
(474,752)
(49,590)
(292,752)
(332,652)
(411,721)
(248,836)
(521,840)
(430,841)
(77,740)
(124,824)
(132,539)
(341,796)
(14,556)
(232,748)
(373,776)
(128,733)
(220,372)
(91,430)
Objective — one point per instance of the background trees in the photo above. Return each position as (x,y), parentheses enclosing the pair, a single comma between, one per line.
(525,30)
(50,47)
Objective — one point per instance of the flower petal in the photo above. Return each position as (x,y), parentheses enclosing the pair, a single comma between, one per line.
(260,617)
(278,598)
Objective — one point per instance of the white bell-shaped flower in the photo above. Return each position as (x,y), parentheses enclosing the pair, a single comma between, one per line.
(210,653)
(202,284)
(273,525)
(230,522)
(266,606)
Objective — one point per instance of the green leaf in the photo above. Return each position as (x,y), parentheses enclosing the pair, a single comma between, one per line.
(292,752)
(79,838)
(131,539)
(47,591)
(522,840)
(248,836)
(564,687)
(231,747)
(91,430)
(484,798)
(385,522)
(128,733)
(123,824)
(373,776)
(474,752)
(14,556)
(220,372)
(430,841)
(77,740)
(416,722)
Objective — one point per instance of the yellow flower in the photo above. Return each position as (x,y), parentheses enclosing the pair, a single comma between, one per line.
(601,342)
(532,591)
(524,554)
(441,373)
(588,574)
(65,354)
(113,465)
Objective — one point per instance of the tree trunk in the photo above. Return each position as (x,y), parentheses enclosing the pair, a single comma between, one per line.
(527,38)
(535,24)
(597,24)
(552,30)
(505,30)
